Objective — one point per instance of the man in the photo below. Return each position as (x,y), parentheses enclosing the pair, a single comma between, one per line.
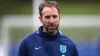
(48,41)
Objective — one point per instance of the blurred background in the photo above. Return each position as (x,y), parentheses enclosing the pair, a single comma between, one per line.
(80,21)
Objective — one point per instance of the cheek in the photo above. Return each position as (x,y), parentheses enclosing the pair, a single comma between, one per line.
(45,22)
(57,21)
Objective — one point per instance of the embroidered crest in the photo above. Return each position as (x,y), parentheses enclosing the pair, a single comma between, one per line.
(63,48)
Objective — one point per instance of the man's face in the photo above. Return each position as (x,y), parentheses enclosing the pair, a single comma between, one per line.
(50,19)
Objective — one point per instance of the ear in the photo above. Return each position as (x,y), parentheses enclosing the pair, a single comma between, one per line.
(59,16)
(40,18)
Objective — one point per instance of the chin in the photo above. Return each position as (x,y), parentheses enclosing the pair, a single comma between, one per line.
(52,32)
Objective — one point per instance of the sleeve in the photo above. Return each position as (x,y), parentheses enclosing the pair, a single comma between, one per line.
(22,49)
(75,51)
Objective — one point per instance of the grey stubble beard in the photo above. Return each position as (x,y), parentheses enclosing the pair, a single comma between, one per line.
(51,31)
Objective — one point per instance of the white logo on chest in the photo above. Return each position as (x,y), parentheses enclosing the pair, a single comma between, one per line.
(38,47)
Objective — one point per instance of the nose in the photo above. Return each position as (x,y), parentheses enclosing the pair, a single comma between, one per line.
(51,20)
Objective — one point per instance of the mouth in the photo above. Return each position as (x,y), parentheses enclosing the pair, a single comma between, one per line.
(52,27)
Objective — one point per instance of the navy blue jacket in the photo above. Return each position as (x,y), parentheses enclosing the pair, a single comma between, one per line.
(40,43)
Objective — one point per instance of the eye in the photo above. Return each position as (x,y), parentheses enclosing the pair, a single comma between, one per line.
(47,17)
(54,16)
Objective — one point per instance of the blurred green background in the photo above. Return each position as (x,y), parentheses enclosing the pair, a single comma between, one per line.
(67,7)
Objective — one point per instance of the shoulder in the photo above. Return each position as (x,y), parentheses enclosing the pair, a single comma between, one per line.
(26,44)
(66,39)
(70,43)
(31,37)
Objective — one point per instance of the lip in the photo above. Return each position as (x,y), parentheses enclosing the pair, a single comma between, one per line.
(52,27)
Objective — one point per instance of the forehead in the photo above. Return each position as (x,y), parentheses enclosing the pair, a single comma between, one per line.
(49,11)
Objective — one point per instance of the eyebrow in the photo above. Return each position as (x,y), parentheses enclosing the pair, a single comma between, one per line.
(48,16)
